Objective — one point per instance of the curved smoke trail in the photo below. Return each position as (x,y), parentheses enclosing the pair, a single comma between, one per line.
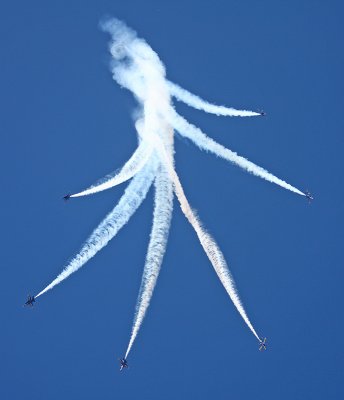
(206,143)
(133,196)
(196,102)
(138,68)
(208,243)
(135,163)
(156,248)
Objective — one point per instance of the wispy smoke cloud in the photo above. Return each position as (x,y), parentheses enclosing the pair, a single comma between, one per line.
(136,67)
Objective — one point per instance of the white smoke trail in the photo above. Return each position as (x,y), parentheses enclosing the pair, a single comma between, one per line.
(156,249)
(133,196)
(196,102)
(135,65)
(206,143)
(208,243)
(130,168)
(145,77)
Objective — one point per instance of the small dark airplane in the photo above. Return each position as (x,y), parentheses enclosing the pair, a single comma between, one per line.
(67,197)
(262,113)
(123,362)
(309,196)
(262,344)
(30,301)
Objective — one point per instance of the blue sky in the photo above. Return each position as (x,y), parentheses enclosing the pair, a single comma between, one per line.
(64,123)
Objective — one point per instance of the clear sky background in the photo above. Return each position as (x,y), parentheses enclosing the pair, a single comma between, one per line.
(64,123)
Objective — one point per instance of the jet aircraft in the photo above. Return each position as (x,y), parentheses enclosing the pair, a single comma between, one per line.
(262,113)
(67,197)
(309,196)
(123,362)
(262,344)
(30,301)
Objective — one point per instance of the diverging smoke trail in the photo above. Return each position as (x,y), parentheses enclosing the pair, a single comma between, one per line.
(196,102)
(133,196)
(210,247)
(156,248)
(206,143)
(135,163)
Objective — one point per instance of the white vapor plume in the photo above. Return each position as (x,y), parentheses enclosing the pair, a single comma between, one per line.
(196,102)
(133,196)
(206,143)
(156,249)
(137,67)
(130,168)
(208,243)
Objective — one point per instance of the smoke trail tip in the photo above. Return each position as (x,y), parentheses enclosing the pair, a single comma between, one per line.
(121,35)
(112,25)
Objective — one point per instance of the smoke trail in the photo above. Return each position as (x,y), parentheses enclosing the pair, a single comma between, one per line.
(133,196)
(130,168)
(196,102)
(145,77)
(156,249)
(206,143)
(208,243)
(135,65)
